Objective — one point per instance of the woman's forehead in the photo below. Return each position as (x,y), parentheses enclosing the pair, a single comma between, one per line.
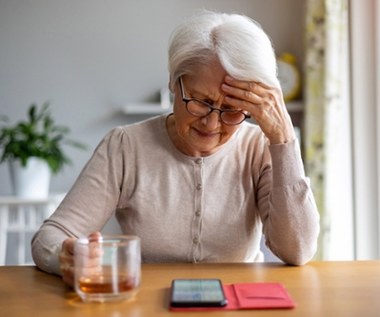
(206,79)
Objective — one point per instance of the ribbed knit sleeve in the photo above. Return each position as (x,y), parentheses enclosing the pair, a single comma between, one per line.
(289,212)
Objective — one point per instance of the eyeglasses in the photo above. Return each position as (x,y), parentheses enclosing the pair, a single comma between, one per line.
(200,108)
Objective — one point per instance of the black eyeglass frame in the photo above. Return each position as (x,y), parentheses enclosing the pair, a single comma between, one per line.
(211,108)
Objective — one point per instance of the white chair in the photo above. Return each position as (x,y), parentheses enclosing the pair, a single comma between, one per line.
(22,217)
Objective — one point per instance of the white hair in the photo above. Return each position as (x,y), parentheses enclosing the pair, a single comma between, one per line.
(243,48)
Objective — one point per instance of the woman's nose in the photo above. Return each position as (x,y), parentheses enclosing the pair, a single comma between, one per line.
(212,120)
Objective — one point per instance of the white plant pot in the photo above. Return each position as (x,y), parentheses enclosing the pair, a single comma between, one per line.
(31,181)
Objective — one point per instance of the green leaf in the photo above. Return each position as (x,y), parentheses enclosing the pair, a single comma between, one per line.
(39,136)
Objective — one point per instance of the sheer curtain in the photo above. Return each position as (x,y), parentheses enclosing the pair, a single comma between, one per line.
(365,87)
(327,136)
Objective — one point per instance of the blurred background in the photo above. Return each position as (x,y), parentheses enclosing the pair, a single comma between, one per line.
(92,58)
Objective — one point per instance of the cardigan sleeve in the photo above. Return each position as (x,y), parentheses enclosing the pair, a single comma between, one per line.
(287,207)
(87,206)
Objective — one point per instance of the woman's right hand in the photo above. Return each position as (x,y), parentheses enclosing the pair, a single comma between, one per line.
(66,258)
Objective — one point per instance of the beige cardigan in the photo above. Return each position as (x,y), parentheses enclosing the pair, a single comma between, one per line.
(187,209)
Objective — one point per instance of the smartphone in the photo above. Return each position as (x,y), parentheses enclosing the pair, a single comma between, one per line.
(197,293)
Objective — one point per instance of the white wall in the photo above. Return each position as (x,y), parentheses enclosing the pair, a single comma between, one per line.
(90,57)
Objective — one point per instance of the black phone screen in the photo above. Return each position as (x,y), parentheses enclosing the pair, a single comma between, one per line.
(197,293)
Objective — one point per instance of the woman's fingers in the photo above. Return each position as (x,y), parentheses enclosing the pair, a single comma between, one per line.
(66,259)
(89,257)
(265,104)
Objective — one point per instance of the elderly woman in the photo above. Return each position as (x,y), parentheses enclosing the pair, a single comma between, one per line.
(200,184)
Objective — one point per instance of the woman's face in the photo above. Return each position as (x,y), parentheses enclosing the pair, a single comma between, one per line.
(200,136)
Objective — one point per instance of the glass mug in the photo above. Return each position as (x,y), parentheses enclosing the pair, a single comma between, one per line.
(107,268)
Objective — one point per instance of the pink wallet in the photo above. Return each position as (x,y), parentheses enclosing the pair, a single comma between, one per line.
(250,296)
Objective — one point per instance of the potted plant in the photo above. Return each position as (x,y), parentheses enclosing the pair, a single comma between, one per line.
(34,150)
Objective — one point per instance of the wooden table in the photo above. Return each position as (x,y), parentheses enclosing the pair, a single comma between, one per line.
(319,289)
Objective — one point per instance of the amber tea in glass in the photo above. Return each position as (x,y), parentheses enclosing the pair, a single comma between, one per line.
(108,268)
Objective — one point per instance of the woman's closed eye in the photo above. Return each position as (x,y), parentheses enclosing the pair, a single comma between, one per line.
(229,108)
(223,107)
(208,101)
